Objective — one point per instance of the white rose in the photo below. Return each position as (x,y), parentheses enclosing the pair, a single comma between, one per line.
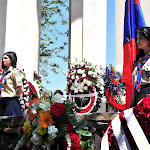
(90,72)
(57,98)
(81,90)
(79,71)
(85,88)
(89,83)
(73,77)
(84,75)
(82,71)
(77,77)
(72,87)
(84,81)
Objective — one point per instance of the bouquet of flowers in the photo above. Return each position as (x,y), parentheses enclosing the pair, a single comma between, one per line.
(45,121)
(114,88)
(113,81)
(82,78)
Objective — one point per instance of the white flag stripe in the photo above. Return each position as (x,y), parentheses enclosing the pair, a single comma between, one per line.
(105,144)
(136,130)
(119,134)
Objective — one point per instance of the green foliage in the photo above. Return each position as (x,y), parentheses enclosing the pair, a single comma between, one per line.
(53,39)
(86,137)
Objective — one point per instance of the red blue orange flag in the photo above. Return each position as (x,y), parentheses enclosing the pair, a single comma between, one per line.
(133,19)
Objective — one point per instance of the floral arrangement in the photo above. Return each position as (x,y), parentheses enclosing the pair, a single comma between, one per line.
(114,88)
(82,83)
(82,78)
(113,81)
(47,121)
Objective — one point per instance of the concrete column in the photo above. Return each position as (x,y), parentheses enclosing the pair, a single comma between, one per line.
(94,31)
(3,11)
(76,38)
(22,33)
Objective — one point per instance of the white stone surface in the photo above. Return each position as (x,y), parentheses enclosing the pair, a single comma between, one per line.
(20,28)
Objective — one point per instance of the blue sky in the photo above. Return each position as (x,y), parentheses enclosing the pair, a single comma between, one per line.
(58,81)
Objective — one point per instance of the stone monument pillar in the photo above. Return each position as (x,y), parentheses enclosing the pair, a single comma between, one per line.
(20,32)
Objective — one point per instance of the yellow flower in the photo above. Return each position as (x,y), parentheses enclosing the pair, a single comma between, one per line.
(46,100)
(114,69)
(27,128)
(45,119)
(41,130)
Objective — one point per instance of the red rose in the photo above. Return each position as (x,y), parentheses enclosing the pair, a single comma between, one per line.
(57,109)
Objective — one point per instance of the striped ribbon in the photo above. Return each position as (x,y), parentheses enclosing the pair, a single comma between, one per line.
(1,80)
(139,76)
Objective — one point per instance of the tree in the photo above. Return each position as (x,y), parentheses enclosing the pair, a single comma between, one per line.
(54,34)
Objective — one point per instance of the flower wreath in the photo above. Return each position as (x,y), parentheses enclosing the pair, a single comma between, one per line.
(114,87)
(82,82)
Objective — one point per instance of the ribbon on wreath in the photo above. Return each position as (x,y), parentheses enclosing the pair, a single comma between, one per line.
(129,129)
(91,104)
(1,80)
(113,102)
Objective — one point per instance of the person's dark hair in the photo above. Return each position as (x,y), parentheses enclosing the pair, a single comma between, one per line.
(13,57)
(143,31)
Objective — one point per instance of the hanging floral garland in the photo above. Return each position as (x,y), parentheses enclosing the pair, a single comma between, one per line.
(71,139)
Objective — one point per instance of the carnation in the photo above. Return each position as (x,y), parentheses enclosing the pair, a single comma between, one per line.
(52,131)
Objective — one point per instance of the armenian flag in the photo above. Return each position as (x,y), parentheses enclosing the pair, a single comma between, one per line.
(133,19)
